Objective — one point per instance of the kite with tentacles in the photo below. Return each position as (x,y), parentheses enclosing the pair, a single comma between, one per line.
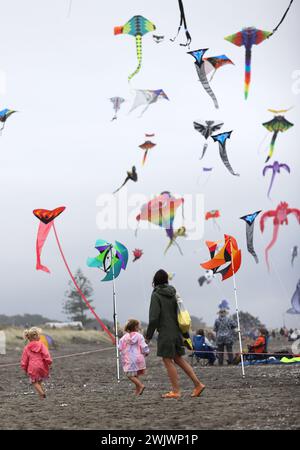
(137,26)
(280,217)
(147,97)
(213,214)
(295,309)
(225,261)
(180,232)
(183,23)
(294,254)
(248,37)
(275,167)
(131,175)
(221,139)
(204,66)
(46,218)
(249,219)
(161,211)
(117,102)
(111,259)
(4,115)
(276,125)
(207,128)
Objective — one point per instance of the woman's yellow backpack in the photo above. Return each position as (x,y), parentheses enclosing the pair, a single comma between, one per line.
(183,316)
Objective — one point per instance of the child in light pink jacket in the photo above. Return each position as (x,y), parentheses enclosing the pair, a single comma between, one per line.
(36,360)
(133,349)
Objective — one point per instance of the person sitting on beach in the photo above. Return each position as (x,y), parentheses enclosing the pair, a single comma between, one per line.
(163,318)
(203,348)
(259,346)
(36,360)
(133,349)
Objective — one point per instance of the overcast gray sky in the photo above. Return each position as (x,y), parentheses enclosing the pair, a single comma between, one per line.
(62,149)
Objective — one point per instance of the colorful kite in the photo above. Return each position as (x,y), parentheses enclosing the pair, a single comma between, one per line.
(213,214)
(158,39)
(294,254)
(203,66)
(117,102)
(183,23)
(133,176)
(46,218)
(221,139)
(276,166)
(161,211)
(146,146)
(147,97)
(111,259)
(4,115)
(137,26)
(206,278)
(207,128)
(249,219)
(227,260)
(295,309)
(137,254)
(280,215)
(276,125)
(213,63)
(248,37)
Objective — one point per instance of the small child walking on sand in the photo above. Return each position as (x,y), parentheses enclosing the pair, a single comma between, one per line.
(133,349)
(36,360)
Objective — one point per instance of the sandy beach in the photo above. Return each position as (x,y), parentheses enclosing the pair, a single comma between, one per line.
(83,394)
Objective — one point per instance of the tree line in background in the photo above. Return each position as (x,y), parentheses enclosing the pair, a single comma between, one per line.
(76,310)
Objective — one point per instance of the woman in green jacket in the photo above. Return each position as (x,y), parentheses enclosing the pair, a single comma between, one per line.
(163,318)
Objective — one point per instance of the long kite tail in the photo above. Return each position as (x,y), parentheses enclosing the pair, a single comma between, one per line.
(271,183)
(145,157)
(80,291)
(205,84)
(139,54)
(250,246)
(272,145)
(204,150)
(247,72)
(183,22)
(224,157)
(274,239)
(42,235)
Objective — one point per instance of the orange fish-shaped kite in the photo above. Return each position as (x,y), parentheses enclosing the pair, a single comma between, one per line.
(228,259)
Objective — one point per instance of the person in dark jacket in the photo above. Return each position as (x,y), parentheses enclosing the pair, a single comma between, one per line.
(163,318)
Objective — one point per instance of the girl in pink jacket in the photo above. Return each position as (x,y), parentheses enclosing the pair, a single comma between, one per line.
(36,360)
(133,349)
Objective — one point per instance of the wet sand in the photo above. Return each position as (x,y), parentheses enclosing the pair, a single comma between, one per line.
(83,394)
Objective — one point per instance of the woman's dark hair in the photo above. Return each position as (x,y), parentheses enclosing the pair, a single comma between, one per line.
(200,332)
(161,277)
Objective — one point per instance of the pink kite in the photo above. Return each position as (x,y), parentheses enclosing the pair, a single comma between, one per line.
(46,218)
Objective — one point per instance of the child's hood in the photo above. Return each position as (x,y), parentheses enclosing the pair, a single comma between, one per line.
(35,346)
(131,338)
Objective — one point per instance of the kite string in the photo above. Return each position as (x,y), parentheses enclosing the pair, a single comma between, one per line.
(282,19)
(79,290)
